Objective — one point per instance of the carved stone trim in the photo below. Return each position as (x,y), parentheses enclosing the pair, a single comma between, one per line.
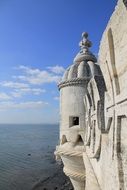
(85,57)
(74,82)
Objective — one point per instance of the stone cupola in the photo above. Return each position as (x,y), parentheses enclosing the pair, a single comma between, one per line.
(79,71)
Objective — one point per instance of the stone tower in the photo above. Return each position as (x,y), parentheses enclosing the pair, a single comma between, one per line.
(73,89)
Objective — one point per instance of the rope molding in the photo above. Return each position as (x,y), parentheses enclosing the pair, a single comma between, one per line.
(74,82)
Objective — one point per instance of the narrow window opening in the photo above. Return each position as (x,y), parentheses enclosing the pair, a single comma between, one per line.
(74,120)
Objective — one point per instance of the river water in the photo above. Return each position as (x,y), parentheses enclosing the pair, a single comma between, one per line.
(26,155)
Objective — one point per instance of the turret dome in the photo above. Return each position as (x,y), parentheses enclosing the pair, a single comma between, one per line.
(80,71)
(77,70)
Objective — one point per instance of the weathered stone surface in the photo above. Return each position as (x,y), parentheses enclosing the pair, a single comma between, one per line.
(93,109)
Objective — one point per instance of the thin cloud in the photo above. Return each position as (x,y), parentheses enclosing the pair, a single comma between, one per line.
(11,84)
(57,69)
(19,89)
(37,76)
(4,96)
(57,98)
(24,91)
(22,105)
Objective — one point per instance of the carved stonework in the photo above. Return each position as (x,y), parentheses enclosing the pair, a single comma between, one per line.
(73,82)
(93,109)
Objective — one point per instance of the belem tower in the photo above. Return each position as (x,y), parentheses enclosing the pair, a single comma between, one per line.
(93,111)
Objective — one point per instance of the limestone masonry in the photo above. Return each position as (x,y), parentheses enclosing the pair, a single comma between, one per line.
(93,111)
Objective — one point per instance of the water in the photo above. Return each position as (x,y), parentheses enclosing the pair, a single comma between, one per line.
(26,155)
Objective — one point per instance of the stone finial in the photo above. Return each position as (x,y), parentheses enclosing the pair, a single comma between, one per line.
(85,54)
(85,43)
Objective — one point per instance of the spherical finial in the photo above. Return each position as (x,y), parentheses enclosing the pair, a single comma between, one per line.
(85,43)
(85,35)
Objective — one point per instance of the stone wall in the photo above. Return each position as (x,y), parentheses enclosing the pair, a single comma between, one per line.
(105,158)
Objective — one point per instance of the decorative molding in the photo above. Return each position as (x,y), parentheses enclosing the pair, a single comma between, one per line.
(85,56)
(74,82)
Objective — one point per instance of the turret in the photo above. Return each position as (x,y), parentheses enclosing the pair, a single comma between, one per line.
(73,89)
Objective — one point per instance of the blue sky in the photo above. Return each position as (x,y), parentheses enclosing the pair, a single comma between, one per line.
(38,40)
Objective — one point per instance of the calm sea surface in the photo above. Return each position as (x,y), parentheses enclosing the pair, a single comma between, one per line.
(26,155)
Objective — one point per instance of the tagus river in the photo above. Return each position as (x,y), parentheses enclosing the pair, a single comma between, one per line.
(26,155)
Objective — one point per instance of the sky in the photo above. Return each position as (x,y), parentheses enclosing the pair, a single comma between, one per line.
(38,41)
